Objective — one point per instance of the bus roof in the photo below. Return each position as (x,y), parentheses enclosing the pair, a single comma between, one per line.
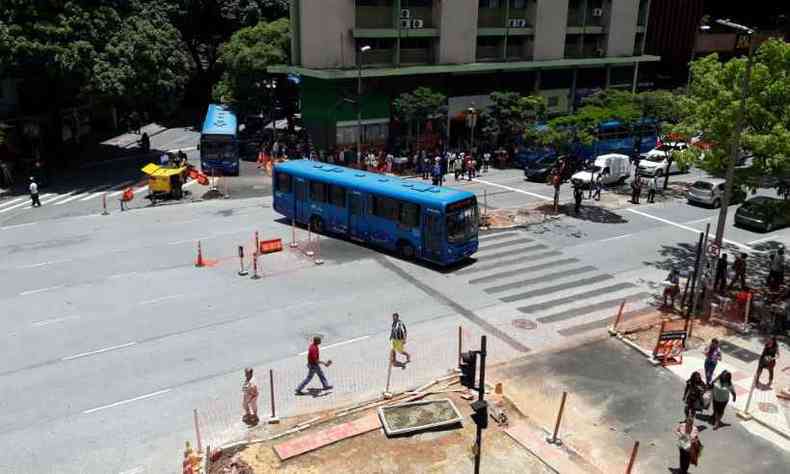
(397,188)
(219,121)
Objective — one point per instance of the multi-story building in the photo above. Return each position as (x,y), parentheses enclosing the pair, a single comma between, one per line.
(561,49)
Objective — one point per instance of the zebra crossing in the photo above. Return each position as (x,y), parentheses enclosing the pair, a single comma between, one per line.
(562,295)
(81,194)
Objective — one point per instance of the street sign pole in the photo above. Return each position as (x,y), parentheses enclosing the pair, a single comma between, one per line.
(481,395)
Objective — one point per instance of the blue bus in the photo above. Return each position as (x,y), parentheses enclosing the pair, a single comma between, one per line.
(611,137)
(219,144)
(411,218)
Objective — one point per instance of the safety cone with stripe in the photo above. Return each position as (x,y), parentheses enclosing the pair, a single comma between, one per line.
(199,262)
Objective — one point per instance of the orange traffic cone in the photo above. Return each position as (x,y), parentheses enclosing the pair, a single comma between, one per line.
(199,262)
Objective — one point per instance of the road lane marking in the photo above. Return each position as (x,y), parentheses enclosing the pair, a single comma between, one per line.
(157,300)
(350,341)
(61,196)
(194,181)
(82,194)
(185,149)
(124,402)
(539,196)
(52,262)
(47,322)
(97,192)
(121,275)
(25,203)
(98,351)
(765,239)
(18,226)
(40,290)
(699,220)
(12,201)
(134,470)
(690,229)
(616,238)
(141,189)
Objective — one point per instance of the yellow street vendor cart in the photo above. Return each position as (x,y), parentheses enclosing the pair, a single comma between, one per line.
(165,182)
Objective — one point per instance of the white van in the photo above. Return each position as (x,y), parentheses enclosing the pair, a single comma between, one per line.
(614,166)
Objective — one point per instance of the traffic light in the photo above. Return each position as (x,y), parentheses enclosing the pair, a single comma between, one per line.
(468,368)
(480,413)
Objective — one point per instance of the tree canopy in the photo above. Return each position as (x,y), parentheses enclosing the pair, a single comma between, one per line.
(246,57)
(415,107)
(510,114)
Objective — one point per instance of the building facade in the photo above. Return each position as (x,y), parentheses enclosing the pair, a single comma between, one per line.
(562,49)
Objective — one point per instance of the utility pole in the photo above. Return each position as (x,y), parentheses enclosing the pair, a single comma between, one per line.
(360,51)
(730,175)
(482,406)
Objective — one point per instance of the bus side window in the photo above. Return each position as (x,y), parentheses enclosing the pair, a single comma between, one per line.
(317,191)
(385,208)
(337,196)
(409,215)
(284,183)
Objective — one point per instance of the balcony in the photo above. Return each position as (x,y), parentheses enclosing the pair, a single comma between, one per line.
(374,17)
(575,17)
(519,50)
(491,18)
(488,53)
(378,57)
(423,14)
(416,56)
(573,52)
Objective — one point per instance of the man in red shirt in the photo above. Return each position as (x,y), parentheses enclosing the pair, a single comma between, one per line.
(314,364)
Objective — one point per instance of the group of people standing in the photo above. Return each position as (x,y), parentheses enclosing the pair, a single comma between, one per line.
(640,182)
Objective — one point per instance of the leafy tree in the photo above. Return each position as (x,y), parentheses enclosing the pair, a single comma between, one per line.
(510,114)
(246,57)
(416,107)
(712,108)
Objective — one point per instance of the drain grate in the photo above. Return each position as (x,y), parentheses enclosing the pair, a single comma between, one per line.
(524,324)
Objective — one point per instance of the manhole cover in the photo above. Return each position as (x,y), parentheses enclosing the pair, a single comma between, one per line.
(767,407)
(524,324)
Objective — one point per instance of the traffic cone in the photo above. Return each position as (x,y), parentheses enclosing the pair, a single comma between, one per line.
(199,262)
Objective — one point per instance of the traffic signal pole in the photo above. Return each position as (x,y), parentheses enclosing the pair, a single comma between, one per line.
(481,395)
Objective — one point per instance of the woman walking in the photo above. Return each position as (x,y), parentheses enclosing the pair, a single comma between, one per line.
(768,360)
(712,358)
(688,444)
(722,389)
(692,394)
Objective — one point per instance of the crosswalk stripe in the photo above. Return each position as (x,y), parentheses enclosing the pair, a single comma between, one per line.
(490,266)
(509,253)
(575,312)
(579,296)
(554,289)
(59,196)
(602,323)
(500,245)
(22,204)
(519,271)
(541,279)
(98,192)
(497,236)
(81,194)
(12,201)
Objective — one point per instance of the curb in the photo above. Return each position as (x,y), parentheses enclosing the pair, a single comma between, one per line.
(635,347)
(749,417)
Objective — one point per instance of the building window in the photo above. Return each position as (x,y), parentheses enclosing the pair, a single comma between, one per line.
(489,3)
(283,183)
(489,48)
(518,4)
(416,51)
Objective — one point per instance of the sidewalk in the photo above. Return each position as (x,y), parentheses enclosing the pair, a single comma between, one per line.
(126,140)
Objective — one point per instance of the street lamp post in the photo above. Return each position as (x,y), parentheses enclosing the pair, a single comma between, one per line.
(471,122)
(694,51)
(360,52)
(730,175)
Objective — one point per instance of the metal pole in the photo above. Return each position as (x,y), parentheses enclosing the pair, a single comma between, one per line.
(481,394)
(725,201)
(633,458)
(702,262)
(460,339)
(700,249)
(197,431)
(293,234)
(271,391)
(554,439)
(387,395)
(359,108)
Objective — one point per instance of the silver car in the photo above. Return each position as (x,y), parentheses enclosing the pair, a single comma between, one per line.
(710,192)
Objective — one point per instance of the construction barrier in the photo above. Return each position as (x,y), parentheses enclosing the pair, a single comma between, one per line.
(271,246)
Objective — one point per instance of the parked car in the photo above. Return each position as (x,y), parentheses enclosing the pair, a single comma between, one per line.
(710,192)
(656,161)
(614,167)
(539,170)
(763,213)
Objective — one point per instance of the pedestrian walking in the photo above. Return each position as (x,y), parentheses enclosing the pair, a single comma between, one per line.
(556,181)
(689,445)
(470,168)
(458,168)
(486,161)
(636,189)
(712,358)
(598,186)
(436,173)
(720,281)
(776,272)
(314,364)
(652,185)
(739,266)
(33,188)
(145,143)
(692,394)
(671,286)
(722,389)
(426,166)
(768,360)
(249,401)
(577,198)
(398,342)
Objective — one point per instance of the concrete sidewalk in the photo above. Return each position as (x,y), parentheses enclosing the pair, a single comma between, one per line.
(126,140)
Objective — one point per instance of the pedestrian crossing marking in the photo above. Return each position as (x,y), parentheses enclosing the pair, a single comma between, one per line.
(534,308)
(541,279)
(519,271)
(556,288)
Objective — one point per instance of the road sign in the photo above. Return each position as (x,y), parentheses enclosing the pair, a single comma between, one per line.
(714,249)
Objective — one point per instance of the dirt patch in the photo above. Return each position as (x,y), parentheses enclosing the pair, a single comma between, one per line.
(517,217)
(413,415)
(702,331)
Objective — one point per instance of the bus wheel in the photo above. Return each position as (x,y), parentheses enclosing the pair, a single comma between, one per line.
(406,250)
(317,224)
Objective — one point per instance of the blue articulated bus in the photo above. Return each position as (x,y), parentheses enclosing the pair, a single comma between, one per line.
(408,217)
(219,144)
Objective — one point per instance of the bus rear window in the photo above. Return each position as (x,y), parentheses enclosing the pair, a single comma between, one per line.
(283,183)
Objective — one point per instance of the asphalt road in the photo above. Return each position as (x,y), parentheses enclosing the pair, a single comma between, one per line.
(113,336)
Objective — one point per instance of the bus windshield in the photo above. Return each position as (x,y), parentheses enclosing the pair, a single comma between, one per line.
(214,147)
(462,221)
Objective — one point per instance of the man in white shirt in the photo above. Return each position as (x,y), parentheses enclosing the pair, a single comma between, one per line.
(34,192)
(486,161)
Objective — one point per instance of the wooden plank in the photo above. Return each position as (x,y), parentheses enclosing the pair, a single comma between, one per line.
(312,441)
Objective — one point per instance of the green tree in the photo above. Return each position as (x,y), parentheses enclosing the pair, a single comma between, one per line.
(509,116)
(246,57)
(416,107)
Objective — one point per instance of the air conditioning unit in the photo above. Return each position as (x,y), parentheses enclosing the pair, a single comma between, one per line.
(405,14)
(405,24)
(597,12)
(417,24)
(517,23)
(512,23)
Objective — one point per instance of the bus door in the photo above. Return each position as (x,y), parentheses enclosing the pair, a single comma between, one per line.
(432,234)
(302,207)
(357,223)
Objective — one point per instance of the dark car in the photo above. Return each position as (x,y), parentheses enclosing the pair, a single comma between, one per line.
(539,170)
(763,213)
